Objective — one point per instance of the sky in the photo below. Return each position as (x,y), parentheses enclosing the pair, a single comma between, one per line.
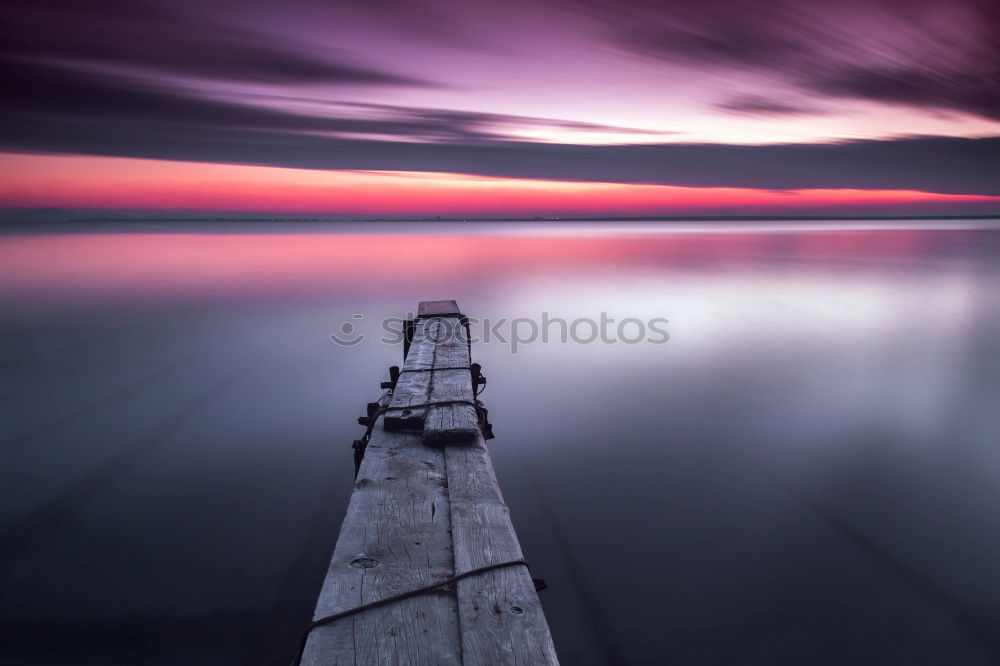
(522,108)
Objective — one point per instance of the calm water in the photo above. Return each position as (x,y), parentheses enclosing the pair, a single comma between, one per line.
(807,472)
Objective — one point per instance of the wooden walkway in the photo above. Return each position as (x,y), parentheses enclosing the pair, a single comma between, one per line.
(426,507)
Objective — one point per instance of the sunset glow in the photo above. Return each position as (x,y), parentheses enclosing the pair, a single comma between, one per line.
(134,184)
(749,248)
(475,109)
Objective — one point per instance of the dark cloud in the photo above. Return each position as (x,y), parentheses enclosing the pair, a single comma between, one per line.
(110,77)
(754,33)
(468,119)
(931,54)
(162,40)
(43,90)
(755,105)
(38,91)
(49,110)
(957,91)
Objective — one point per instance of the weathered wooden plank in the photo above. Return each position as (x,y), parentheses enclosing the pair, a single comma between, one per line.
(453,423)
(434,308)
(434,372)
(394,538)
(452,351)
(451,382)
(500,615)
(414,384)
(419,515)
(421,355)
(412,388)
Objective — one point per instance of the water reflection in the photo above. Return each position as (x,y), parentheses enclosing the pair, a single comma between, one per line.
(805,472)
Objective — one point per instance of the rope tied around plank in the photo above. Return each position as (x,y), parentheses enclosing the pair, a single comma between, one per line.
(478,378)
(329,619)
(436,403)
(482,414)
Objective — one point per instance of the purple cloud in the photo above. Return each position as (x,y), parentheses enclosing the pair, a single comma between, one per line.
(930,54)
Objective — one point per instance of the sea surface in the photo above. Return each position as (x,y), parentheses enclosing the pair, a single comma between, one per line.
(804,470)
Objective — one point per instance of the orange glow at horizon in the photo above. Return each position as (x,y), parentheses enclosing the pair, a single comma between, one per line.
(73,181)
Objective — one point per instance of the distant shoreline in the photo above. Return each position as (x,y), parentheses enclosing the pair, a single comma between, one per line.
(11,219)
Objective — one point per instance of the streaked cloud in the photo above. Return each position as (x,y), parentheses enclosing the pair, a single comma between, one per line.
(939,54)
(774,94)
(164,39)
(758,105)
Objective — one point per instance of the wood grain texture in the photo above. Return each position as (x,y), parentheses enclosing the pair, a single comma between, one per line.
(456,423)
(394,538)
(414,384)
(420,514)
(425,336)
(451,348)
(432,308)
(500,615)
(434,371)
(451,424)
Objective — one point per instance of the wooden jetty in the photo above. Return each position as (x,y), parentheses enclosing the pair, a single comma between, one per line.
(427,568)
